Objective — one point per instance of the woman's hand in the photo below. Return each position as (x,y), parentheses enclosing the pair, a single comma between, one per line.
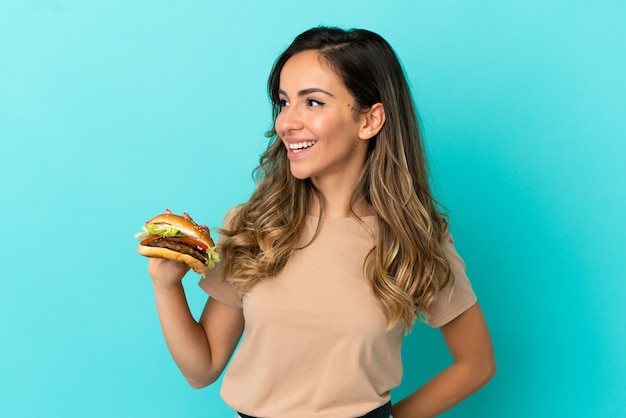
(167,272)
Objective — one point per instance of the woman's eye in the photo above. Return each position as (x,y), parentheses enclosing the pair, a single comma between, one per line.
(282,103)
(314,103)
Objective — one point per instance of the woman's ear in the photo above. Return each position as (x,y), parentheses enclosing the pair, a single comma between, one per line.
(374,121)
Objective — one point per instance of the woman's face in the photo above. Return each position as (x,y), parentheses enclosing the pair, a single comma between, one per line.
(319,122)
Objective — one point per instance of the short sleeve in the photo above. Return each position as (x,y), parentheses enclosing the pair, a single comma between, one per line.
(456,298)
(214,283)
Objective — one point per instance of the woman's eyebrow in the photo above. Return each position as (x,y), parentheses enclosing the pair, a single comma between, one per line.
(308,91)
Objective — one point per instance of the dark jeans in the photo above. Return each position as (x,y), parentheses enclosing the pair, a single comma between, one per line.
(380,412)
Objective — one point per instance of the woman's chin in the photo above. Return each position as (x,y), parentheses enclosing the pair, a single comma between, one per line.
(299,174)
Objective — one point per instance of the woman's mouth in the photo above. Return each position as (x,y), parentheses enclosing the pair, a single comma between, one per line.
(300,146)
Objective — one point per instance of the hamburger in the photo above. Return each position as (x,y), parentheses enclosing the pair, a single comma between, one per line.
(178,238)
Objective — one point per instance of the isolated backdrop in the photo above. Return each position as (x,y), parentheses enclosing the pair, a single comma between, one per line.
(111,111)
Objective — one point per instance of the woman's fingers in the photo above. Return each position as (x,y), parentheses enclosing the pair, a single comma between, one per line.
(167,271)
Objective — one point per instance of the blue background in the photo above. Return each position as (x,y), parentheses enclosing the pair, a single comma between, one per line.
(111,111)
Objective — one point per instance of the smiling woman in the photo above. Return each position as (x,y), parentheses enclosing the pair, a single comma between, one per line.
(337,252)
(522,107)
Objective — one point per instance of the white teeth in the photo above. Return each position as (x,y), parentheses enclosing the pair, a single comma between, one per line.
(301,145)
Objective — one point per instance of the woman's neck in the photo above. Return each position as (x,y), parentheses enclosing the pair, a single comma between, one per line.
(338,206)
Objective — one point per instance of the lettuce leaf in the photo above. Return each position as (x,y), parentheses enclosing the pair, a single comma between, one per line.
(213,257)
(160,230)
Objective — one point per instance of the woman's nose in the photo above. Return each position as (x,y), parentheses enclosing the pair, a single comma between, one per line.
(287,120)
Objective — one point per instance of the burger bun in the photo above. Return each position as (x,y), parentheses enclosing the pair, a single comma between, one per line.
(159,252)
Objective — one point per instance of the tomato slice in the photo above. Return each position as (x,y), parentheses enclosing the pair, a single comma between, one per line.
(186,240)
(192,241)
(152,238)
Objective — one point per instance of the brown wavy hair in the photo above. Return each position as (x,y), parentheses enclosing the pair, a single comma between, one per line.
(406,266)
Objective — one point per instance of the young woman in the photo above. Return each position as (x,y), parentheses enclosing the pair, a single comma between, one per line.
(338,251)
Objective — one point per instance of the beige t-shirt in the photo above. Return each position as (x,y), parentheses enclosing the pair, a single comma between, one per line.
(315,342)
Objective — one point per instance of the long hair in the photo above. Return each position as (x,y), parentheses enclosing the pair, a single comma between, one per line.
(406,266)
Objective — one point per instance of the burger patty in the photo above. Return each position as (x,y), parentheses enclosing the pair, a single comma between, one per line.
(179,247)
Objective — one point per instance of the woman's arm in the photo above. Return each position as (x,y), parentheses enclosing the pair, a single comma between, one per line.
(469,342)
(201,349)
